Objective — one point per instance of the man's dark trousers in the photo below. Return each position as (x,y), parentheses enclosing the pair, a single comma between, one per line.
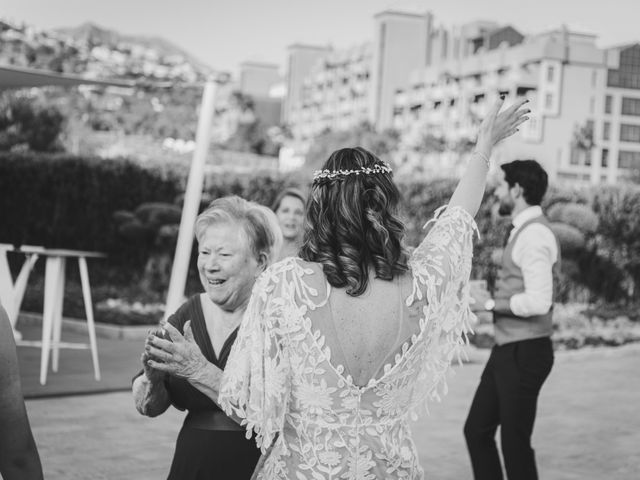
(507,396)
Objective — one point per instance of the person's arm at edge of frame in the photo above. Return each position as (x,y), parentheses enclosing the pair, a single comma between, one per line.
(495,127)
(19,458)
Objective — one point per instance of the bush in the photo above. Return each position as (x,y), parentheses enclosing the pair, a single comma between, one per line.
(63,201)
(576,326)
(578,216)
(618,235)
(25,123)
(571,239)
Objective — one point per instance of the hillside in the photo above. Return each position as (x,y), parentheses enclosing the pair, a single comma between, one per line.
(98,52)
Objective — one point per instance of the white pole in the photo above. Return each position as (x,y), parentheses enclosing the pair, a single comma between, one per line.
(192,197)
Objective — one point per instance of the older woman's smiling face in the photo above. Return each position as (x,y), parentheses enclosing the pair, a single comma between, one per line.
(227,267)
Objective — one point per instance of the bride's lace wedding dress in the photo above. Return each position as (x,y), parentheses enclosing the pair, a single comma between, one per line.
(289,377)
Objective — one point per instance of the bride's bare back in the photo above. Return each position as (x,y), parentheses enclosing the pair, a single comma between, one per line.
(365,332)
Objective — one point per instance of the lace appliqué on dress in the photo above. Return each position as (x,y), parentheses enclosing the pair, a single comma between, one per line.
(280,381)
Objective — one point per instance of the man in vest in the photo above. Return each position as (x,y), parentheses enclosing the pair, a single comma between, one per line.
(522,308)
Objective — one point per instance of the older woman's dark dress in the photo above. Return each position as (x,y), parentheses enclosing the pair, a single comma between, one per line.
(210,445)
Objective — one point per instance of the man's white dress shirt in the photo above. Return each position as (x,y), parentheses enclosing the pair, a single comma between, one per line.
(535,252)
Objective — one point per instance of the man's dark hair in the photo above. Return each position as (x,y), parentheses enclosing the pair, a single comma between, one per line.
(531,177)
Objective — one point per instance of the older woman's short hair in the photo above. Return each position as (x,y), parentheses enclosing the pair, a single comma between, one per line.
(259,223)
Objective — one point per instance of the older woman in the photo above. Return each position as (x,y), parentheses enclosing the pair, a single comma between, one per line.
(289,208)
(237,240)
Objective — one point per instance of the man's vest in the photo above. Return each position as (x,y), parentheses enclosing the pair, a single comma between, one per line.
(508,327)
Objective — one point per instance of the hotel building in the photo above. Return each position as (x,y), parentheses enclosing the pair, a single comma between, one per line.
(573,86)
(339,89)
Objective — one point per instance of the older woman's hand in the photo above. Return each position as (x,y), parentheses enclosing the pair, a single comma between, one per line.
(180,357)
(151,373)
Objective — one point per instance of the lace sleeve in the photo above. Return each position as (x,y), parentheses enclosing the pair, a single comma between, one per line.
(441,266)
(255,384)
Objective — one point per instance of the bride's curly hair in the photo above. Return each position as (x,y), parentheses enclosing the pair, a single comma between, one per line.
(352,223)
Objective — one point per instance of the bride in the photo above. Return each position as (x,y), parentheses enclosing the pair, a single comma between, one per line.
(340,347)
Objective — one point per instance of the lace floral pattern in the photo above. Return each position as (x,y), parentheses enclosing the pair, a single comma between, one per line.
(280,380)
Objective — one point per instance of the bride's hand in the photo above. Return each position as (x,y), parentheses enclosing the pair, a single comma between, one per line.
(497,125)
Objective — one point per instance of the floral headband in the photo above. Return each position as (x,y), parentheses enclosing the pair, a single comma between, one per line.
(320,175)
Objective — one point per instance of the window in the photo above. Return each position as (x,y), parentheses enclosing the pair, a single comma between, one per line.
(628,159)
(592,105)
(630,106)
(574,159)
(628,73)
(604,160)
(630,133)
(594,77)
(608,101)
(606,131)
(550,73)
(548,100)
(587,158)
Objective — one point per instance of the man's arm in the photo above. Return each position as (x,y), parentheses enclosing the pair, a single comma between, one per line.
(19,459)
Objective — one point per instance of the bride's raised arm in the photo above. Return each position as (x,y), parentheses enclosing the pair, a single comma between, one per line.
(495,127)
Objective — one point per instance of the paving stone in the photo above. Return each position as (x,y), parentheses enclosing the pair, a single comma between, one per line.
(587,427)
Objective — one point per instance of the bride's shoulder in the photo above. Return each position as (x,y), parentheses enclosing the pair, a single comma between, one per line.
(292,269)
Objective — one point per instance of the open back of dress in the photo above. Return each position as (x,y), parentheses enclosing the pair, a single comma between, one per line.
(364,333)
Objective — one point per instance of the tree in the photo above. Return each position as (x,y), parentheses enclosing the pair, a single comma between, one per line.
(249,134)
(25,123)
(154,225)
(382,144)
(582,142)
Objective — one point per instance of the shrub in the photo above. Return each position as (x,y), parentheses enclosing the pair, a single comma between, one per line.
(618,235)
(578,216)
(25,123)
(574,326)
(571,239)
(63,201)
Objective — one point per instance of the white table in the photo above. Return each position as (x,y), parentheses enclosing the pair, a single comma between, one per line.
(12,293)
(52,312)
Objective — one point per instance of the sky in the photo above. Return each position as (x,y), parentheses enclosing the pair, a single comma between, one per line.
(224,33)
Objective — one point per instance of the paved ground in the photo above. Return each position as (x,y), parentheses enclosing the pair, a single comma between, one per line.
(588,423)
(119,361)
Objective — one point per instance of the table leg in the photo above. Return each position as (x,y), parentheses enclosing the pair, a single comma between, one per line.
(51,277)
(57,315)
(88,306)
(11,295)
(21,283)
(6,286)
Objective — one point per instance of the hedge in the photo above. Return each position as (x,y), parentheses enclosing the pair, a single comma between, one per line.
(65,201)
